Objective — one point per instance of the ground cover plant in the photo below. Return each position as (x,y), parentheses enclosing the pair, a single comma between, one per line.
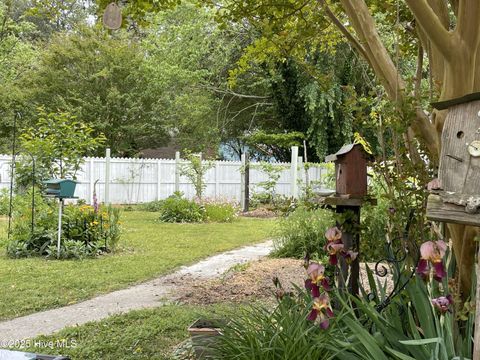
(147,248)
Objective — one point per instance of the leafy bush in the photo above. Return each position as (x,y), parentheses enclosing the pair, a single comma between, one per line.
(219,212)
(302,232)
(178,209)
(263,334)
(85,231)
(4,201)
(152,206)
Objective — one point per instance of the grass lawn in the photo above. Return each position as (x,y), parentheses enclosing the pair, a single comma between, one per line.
(140,334)
(148,248)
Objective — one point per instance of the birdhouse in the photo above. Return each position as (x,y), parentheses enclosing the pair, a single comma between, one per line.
(350,170)
(61,188)
(459,170)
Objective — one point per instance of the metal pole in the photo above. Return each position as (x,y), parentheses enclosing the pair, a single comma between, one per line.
(60,210)
(246,193)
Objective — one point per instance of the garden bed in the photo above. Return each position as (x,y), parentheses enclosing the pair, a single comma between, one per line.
(250,282)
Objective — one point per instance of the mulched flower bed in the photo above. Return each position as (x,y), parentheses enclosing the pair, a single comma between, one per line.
(249,282)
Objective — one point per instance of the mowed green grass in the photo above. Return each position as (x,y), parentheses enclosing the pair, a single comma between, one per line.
(148,248)
(141,334)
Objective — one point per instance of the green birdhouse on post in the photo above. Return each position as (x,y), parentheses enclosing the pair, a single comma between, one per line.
(61,188)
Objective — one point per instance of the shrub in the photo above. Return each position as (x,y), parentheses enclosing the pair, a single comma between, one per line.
(152,206)
(85,232)
(4,201)
(178,209)
(219,212)
(100,228)
(284,333)
(302,232)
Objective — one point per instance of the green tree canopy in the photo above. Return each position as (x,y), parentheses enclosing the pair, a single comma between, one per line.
(101,79)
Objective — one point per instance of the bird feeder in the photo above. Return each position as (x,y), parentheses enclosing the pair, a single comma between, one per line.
(456,198)
(60,189)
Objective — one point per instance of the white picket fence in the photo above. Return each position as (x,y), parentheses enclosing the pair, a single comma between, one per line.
(134,181)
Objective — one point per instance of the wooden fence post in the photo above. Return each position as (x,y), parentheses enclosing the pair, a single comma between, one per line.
(159,178)
(107,177)
(91,181)
(242,181)
(177,171)
(294,172)
(217,180)
(300,176)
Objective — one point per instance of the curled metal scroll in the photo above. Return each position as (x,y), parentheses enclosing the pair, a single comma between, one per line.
(396,259)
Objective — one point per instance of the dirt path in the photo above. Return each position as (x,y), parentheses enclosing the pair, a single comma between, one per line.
(146,295)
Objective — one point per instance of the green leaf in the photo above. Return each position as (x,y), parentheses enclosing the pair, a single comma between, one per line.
(421,341)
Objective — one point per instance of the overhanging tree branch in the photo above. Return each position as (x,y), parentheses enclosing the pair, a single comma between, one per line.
(386,70)
(355,43)
(434,29)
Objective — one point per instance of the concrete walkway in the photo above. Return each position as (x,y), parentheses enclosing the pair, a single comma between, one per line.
(146,295)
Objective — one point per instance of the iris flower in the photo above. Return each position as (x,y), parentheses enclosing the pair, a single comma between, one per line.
(333,234)
(334,244)
(432,253)
(350,256)
(443,303)
(333,250)
(317,278)
(321,309)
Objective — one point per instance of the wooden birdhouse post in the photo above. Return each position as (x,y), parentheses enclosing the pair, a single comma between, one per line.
(351,193)
(456,198)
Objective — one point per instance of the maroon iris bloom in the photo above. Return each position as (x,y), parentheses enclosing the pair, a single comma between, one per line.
(317,278)
(432,253)
(321,310)
(443,303)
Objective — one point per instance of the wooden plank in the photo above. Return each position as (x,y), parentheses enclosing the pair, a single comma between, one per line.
(476,340)
(437,210)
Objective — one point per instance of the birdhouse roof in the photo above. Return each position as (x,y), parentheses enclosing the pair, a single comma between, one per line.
(342,152)
(442,105)
(58,181)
